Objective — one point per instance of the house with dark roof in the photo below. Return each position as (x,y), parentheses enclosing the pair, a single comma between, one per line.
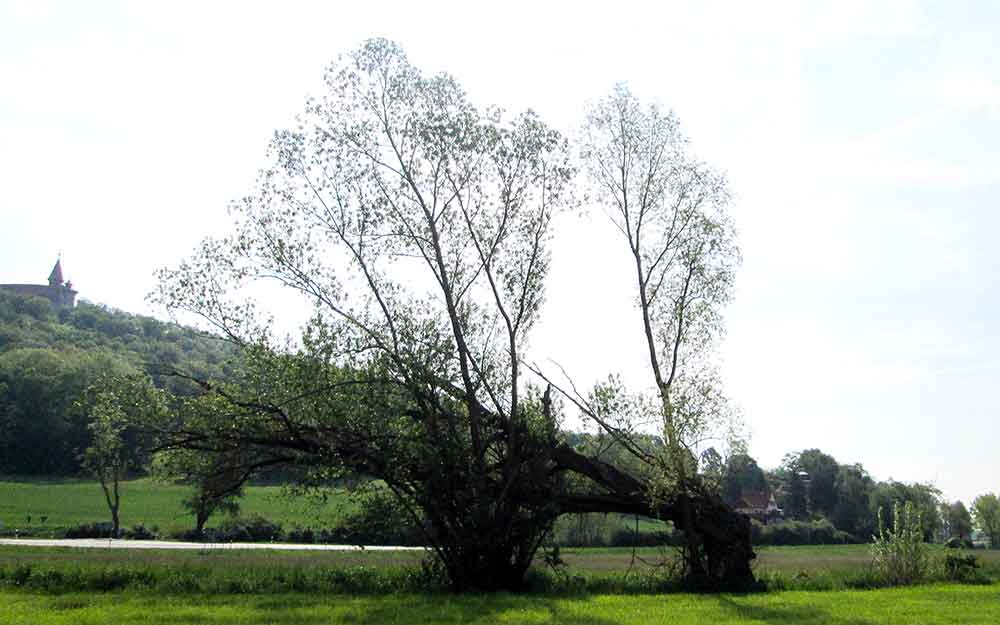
(758,505)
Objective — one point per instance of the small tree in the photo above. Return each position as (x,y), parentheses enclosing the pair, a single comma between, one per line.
(986,513)
(112,403)
(216,484)
(957,520)
(796,503)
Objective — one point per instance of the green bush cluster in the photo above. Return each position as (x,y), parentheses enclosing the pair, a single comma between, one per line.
(820,532)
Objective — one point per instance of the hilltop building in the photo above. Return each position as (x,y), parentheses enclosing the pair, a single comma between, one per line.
(58,291)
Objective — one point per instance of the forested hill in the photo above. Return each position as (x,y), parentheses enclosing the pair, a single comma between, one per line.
(47,357)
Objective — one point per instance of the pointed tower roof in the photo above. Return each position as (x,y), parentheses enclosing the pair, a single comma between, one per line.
(56,277)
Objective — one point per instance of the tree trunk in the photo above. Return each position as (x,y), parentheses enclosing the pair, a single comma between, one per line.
(115,524)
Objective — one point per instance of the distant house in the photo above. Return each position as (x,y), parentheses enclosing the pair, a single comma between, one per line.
(57,291)
(759,505)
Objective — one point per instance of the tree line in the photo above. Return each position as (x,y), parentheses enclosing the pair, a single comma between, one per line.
(810,485)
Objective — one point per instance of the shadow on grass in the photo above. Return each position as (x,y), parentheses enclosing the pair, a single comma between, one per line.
(786,615)
(402,609)
(477,609)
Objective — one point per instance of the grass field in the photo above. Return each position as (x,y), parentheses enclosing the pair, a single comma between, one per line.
(926,605)
(218,569)
(70,502)
(222,586)
(791,560)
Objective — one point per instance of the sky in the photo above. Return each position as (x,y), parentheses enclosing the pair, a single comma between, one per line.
(860,140)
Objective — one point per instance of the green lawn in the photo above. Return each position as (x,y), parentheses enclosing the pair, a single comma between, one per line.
(926,605)
(70,502)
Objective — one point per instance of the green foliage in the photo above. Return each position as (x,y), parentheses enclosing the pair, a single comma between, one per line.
(215,485)
(961,567)
(986,513)
(795,502)
(888,496)
(852,511)
(959,543)
(956,520)
(113,404)
(819,532)
(742,475)
(899,555)
(822,469)
(47,361)
(40,432)
(252,529)
(379,519)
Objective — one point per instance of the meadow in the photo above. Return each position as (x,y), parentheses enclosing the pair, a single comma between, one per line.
(927,605)
(827,584)
(67,502)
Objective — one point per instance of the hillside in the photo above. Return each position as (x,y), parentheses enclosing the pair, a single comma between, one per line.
(47,357)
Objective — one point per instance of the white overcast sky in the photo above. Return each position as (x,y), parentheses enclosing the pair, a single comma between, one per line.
(862,140)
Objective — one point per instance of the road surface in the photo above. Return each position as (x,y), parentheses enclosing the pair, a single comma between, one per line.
(106,543)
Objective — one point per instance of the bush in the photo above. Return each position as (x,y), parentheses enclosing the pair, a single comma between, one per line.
(820,532)
(380,520)
(252,529)
(899,555)
(961,568)
(585,530)
(624,537)
(607,530)
(90,530)
(141,532)
(304,535)
(959,543)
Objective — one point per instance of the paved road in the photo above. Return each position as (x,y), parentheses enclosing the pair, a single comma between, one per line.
(99,543)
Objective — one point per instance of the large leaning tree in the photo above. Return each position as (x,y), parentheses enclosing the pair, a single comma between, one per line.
(418,226)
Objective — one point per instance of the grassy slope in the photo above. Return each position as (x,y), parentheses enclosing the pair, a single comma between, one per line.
(70,502)
(939,604)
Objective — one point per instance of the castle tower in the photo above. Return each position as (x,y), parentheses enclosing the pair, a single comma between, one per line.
(60,293)
(56,277)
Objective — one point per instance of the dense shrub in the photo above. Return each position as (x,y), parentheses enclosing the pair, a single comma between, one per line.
(380,520)
(820,532)
(141,532)
(90,530)
(252,529)
(607,530)
(959,543)
(961,568)
(624,537)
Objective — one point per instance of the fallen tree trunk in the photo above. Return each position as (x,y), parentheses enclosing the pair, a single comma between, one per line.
(722,550)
